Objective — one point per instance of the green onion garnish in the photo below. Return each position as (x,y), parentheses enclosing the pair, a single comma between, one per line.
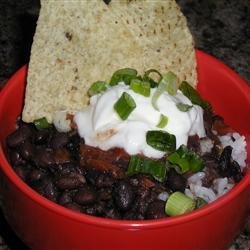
(146,166)
(194,96)
(169,83)
(123,75)
(97,87)
(160,89)
(163,121)
(140,87)
(199,202)
(152,82)
(42,123)
(161,140)
(124,105)
(178,203)
(183,107)
(186,160)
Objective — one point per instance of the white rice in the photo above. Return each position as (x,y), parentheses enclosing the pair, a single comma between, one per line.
(220,186)
(163,196)
(238,143)
(206,145)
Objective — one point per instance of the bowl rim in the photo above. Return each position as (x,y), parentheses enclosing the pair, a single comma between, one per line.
(122,224)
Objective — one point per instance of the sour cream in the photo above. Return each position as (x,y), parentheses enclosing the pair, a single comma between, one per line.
(100,125)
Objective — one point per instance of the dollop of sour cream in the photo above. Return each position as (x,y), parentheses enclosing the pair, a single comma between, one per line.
(101,126)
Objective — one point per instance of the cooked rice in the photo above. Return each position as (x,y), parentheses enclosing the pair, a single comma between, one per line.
(238,143)
(220,185)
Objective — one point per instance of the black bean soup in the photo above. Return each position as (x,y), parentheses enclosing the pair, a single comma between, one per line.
(62,168)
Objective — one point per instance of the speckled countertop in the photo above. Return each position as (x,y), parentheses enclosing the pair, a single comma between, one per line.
(220,28)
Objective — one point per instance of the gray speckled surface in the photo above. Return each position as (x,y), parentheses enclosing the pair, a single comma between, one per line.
(220,28)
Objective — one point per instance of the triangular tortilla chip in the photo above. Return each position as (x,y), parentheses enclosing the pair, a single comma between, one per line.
(79,42)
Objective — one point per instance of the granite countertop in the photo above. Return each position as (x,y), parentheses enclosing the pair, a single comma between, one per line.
(220,28)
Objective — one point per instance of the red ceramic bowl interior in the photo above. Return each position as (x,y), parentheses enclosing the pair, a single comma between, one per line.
(229,95)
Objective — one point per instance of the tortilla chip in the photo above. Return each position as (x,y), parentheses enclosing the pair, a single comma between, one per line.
(160,28)
(75,44)
(79,42)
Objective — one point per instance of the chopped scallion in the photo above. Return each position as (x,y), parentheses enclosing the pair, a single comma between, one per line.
(97,87)
(149,79)
(161,140)
(140,87)
(183,107)
(146,166)
(163,121)
(160,89)
(194,96)
(178,203)
(41,123)
(170,81)
(124,105)
(186,160)
(123,75)
(199,202)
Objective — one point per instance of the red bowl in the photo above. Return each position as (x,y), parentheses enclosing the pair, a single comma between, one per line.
(42,224)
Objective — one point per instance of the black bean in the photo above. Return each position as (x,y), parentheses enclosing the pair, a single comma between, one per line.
(236,171)
(61,156)
(72,181)
(27,150)
(104,180)
(49,189)
(105,194)
(19,136)
(156,210)
(43,158)
(65,197)
(74,207)
(208,122)
(22,172)
(66,169)
(74,142)
(36,175)
(97,209)
(225,161)
(175,181)
(59,140)
(140,205)
(193,143)
(16,158)
(85,196)
(42,136)
(112,213)
(132,215)
(123,195)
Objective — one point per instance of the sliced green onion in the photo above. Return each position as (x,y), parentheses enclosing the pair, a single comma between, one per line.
(160,89)
(183,107)
(169,83)
(194,96)
(124,105)
(146,166)
(152,82)
(97,87)
(42,123)
(199,202)
(186,160)
(161,140)
(163,121)
(140,87)
(123,75)
(178,203)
